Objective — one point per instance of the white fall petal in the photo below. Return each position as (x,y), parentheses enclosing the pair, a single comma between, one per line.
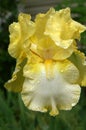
(46,91)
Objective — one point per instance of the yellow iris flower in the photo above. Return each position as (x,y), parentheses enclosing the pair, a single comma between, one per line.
(49,68)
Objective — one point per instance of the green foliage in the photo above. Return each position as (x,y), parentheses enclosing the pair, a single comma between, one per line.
(8,13)
(13,114)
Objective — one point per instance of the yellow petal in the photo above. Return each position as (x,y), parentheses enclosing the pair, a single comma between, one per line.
(27,26)
(79,60)
(15,84)
(56,28)
(69,71)
(47,88)
(14,48)
(20,33)
(79,29)
(63,53)
(46,49)
(41,22)
(60,26)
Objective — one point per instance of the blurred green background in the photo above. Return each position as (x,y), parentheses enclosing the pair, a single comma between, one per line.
(13,114)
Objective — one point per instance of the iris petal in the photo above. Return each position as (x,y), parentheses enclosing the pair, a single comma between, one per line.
(15,36)
(42,93)
(79,60)
(63,27)
(15,84)
(20,32)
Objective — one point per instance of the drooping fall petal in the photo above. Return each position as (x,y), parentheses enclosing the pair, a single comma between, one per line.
(50,86)
(79,60)
(15,84)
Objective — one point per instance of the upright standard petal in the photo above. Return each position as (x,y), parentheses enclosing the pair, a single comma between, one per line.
(20,32)
(14,48)
(60,26)
(47,49)
(50,87)
(41,22)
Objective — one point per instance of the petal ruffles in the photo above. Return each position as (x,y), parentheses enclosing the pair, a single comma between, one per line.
(20,32)
(51,88)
